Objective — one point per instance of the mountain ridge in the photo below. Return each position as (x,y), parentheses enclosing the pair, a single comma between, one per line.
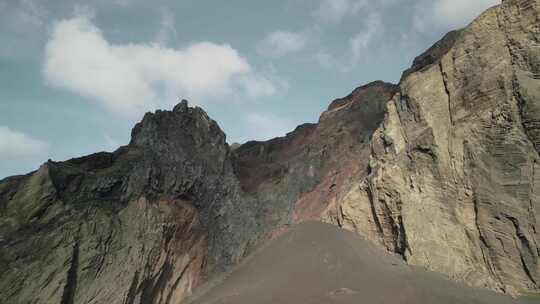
(441,169)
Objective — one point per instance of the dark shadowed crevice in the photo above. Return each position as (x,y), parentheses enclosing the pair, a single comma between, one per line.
(444,80)
(403,242)
(132,292)
(178,280)
(374,211)
(525,245)
(153,287)
(68,297)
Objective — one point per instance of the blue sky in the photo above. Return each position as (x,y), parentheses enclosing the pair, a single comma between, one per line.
(75,76)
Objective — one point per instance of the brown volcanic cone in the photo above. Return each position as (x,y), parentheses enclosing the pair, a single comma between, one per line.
(318,263)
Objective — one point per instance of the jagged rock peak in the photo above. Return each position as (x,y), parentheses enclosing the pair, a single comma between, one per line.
(182,106)
(177,127)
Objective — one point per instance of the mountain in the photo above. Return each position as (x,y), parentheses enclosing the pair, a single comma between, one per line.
(441,169)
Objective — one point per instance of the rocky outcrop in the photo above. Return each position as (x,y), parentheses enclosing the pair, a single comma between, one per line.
(306,165)
(453,171)
(441,169)
(122,227)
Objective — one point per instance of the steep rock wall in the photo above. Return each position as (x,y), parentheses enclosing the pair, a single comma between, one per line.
(454,169)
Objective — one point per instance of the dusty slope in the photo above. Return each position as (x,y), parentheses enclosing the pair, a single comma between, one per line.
(316,263)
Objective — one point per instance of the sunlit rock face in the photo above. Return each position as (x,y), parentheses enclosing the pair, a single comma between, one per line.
(442,169)
(454,166)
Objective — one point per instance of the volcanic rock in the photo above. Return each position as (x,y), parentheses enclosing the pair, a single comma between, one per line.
(441,169)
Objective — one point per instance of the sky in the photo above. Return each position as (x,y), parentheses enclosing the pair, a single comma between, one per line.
(75,76)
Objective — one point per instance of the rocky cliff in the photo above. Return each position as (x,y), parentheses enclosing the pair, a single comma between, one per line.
(442,169)
(453,181)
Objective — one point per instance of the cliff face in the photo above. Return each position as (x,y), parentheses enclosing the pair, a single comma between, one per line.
(454,166)
(442,169)
(300,172)
(449,177)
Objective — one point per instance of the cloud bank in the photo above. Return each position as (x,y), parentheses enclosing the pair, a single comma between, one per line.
(134,78)
(17,145)
(280,43)
(335,10)
(362,40)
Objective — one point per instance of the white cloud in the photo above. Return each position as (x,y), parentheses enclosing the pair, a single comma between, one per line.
(121,2)
(256,86)
(30,13)
(335,10)
(136,77)
(362,41)
(167,29)
(264,126)
(17,145)
(368,14)
(329,61)
(449,14)
(325,59)
(280,43)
